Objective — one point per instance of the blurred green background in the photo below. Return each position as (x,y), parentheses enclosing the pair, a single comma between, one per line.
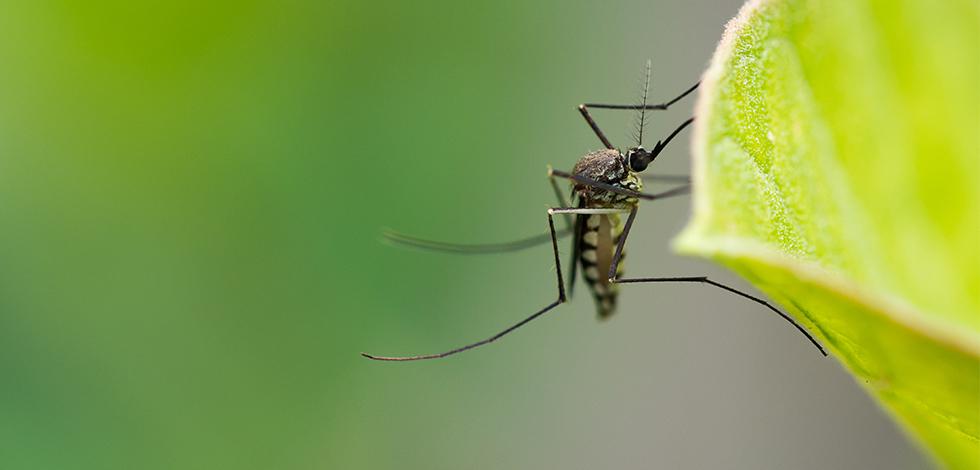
(192,197)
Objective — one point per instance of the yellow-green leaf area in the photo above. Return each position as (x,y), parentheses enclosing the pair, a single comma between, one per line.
(837,167)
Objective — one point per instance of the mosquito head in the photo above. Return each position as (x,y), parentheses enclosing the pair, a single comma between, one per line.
(608,166)
(638,158)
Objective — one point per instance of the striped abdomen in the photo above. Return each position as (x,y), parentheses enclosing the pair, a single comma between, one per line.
(597,245)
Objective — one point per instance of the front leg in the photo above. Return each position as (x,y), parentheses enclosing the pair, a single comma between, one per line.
(680,190)
(583,109)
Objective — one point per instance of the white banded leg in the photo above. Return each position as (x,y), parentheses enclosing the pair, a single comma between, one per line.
(696,279)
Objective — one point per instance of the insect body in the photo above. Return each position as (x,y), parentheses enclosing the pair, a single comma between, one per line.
(597,235)
(606,186)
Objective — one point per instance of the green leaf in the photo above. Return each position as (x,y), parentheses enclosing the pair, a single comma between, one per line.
(837,168)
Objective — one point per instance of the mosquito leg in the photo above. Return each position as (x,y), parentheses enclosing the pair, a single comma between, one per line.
(584,110)
(573,257)
(667,178)
(653,154)
(695,279)
(683,189)
(471,249)
(572,222)
(562,202)
(660,106)
(561,299)
(587,210)
(486,248)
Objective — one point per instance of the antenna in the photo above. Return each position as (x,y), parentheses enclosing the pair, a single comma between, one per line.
(643,107)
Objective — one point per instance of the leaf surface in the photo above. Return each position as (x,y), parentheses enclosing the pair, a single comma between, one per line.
(837,168)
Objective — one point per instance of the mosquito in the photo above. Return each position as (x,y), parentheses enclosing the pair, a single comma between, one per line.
(606,185)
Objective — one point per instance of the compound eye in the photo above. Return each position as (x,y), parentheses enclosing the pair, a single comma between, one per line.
(638,160)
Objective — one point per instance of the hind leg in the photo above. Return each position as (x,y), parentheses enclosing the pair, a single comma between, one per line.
(703,280)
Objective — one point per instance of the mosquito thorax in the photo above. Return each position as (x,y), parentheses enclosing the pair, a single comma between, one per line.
(608,166)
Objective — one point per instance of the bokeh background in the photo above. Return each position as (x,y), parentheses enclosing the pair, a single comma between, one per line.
(192,197)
